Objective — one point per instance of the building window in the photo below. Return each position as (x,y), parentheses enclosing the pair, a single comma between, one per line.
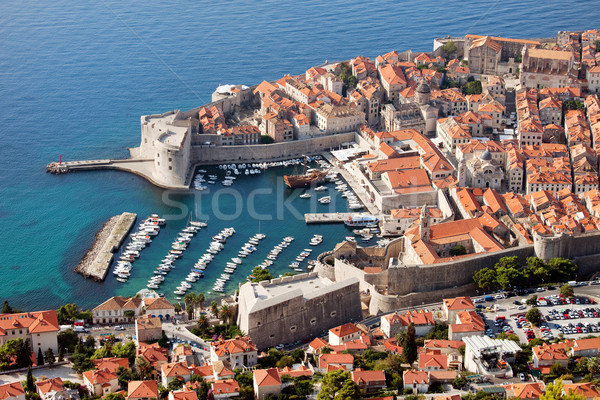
(293,328)
(313,321)
(333,314)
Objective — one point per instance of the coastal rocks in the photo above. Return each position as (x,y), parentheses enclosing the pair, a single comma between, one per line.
(96,261)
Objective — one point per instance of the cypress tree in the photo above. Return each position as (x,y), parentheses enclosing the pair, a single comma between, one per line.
(61,354)
(40,357)
(30,383)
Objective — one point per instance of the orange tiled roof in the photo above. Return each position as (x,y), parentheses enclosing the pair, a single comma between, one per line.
(35,322)
(175,369)
(233,346)
(10,390)
(344,330)
(459,303)
(267,377)
(142,389)
(51,385)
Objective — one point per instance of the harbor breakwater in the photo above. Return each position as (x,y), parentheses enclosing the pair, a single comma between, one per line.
(96,261)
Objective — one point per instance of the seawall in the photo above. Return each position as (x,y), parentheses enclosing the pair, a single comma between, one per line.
(96,261)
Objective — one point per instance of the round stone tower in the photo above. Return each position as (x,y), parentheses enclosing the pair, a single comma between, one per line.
(422,93)
(547,247)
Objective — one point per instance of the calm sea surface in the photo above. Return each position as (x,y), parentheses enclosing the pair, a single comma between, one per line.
(75,76)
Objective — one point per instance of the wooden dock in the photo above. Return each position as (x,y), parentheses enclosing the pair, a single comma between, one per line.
(97,259)
(326,218)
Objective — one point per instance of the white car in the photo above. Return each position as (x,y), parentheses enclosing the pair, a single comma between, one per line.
(119,328)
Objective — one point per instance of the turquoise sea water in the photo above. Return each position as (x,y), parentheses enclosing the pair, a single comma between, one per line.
(75,76)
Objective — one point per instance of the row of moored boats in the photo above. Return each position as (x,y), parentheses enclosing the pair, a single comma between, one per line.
(142,237)
(247,248)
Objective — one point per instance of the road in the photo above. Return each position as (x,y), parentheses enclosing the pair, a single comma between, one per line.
(63,371)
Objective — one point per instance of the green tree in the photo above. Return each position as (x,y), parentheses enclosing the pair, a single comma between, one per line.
(593,365)
(266,139)
(537,270)
(61,354)
(226,313)
(214,307)
(486,279)
(332,384)
(202,390)
(508,277)
(67,340)
(30,381)
(409,344)
(458,250)
(190,300)
(534,316)
(260,274)
(459,382)
(200,299)
(285,361)
(6,308)
(49,356)
(143,367)
(450,47)
(114,396)
(573,105)
(473,87)
(67,313)
(202,324)
(174,384)
(177,308)
(554,391)
(562,269)
(126,350)
(349,391)
(532,300)
(567,291)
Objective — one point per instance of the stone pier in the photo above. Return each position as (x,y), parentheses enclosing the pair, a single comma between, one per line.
(97,259)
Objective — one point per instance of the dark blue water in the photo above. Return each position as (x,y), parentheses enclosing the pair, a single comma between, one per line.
(75,76)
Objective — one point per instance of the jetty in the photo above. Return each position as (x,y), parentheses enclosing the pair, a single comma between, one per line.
(96,261)
(327,218)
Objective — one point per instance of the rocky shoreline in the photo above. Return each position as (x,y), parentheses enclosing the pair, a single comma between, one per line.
(96,261)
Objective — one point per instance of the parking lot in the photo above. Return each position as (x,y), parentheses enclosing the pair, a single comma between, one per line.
(568,318)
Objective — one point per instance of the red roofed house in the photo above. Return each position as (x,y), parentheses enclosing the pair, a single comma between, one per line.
(451,307)
(394,323)
(587,390)
(545,356)
(239,352)
(433,360)
(159,307)
(301,371)
(266,382)
(100,382)
(115,309)
(468,323)
(54,388)
(525,390)
(155,355)
(142,390)
(12,391)
(585,348)
(183,395)
(316,345)
(368,381)
(111,363)
(418,381)
(336,361)
(344,333)
(39,327)
(174,371)
(148,328)
(225,389)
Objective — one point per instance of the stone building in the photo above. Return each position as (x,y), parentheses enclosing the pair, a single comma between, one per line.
(484,56)
(548,68)
(482,171)
(148,328)
(40,328)
(338,119)
(292,308)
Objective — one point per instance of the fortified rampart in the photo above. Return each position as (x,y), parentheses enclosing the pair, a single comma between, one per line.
(292,313)
(267,152)
(400,285)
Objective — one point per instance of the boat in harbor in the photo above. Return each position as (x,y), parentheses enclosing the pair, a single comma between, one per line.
(361,220)
(320,188)
(301,181)
(305,196)
(325,200)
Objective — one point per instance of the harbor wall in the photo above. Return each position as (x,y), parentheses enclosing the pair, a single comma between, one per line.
(205,155)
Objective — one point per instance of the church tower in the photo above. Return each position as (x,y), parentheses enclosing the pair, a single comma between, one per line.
(424,223)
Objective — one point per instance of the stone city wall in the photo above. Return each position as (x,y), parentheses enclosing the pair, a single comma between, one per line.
(299,318)
(267,152)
